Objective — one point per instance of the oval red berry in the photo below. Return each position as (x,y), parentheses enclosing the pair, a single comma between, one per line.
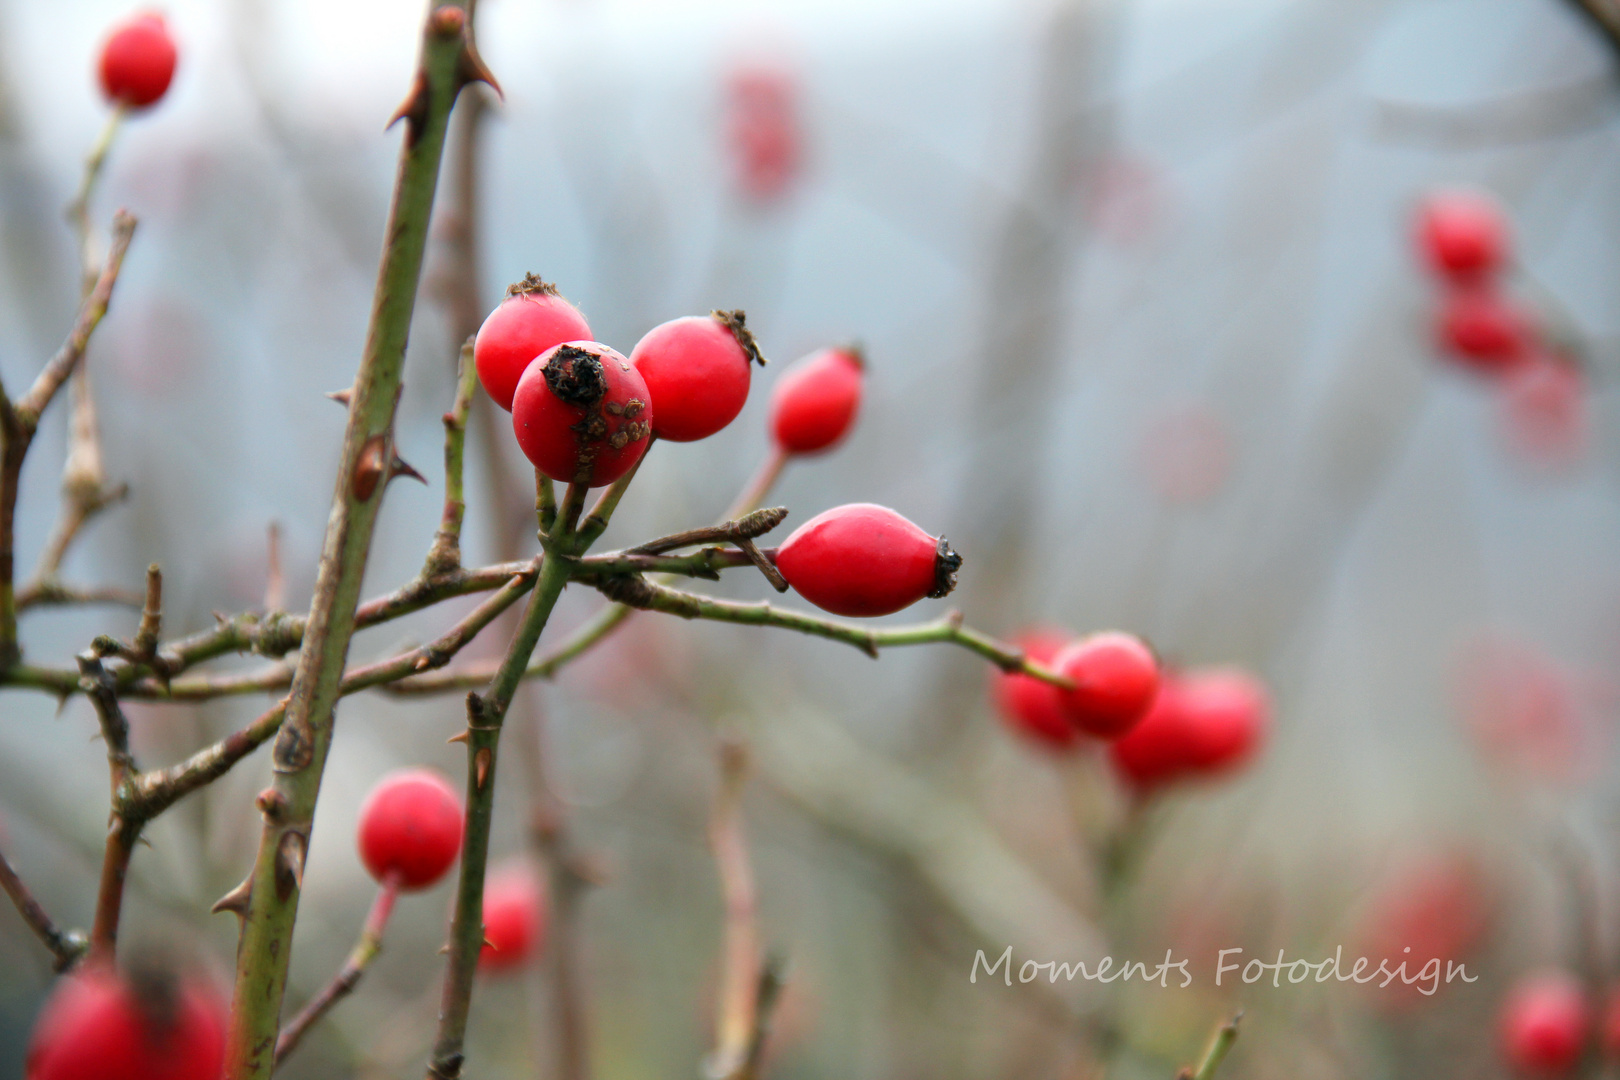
(137,61)
(1116,679)
(865,560)
(814,403)
(1544,1024)
(582,414)
(531,320)
(514,917)
(100,1025)
(1480,329)
(410,827)
(1029,707)
(1462,234)
(697,369)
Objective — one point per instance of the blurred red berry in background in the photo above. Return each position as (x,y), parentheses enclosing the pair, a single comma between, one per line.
(763,129)
(1545,419)
(137,61)
(1205,721)
(514,917)
(1544,1024)
(1481,330)
(99,1024)
(1524,709)
(1186,454)
(1462,234)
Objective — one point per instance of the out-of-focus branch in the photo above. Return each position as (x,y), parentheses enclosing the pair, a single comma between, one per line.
(445,554)
(125,826)
(740,961)
(66,945)
(56,594)
(348,977)
(448,60)
(1604,15)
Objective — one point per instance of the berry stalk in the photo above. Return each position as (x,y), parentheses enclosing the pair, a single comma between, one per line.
(448,61)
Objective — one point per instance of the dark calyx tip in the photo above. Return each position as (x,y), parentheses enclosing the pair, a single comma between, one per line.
(737,322)
(855,351)
(531,285)
(575,376)
(946,564)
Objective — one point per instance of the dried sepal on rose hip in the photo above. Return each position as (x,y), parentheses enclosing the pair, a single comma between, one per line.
(515,916)
(137,61)
(1116,678)
(582,414)
(814,403)
(1462,234)
(531,320)
(148,1023)
(865,560)
(1031,708)
(410,828)
(698,369)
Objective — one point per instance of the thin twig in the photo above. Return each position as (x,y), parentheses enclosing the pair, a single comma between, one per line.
(57,594)
(746,527)
(1219,1044)
(740,962)
(445,554)
(124,827)
(65,945)
(760,484)
(275,581)
(348,977)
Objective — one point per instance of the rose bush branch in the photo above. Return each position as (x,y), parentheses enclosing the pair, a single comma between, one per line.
(447,61)
(740,958)
(445,554)
(124,826)
(65,945)
(348,977)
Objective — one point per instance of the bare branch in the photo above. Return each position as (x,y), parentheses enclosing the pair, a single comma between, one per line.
(66,945)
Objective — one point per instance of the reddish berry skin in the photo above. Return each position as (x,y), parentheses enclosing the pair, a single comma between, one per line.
(1462,235)
(137,61)
(865,560)
(582,413)
(514,917)
(531,320)
(1116,677)
(410,826)
(1155,751)
(1544,1023)
(1481,330)
(814,403)
(1203,722)
(764,130)
(697,369)
(1030,707)
(99,1025)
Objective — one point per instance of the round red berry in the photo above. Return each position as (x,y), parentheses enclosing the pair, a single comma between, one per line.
(1116,679)
(1482,330)
(697,369)
(514,917)
(532,319)
(582,414)
(148,1025)
(137,61)
(1462,234)
(814,403)
(1030,707)
(410,827)
(1203,722)
(1155,751)
(865,560)
(1544,1024)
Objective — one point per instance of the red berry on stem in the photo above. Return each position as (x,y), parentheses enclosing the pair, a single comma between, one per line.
(865,560)
(410,827)
(1116,678)
(1030,707)
(1462,234)
(1228,711)
(532,319)
(1481,330)
(137,61)
(514,917)
(814,403)
(1543,1024)
(582,414)
(102,1025)
(697,368)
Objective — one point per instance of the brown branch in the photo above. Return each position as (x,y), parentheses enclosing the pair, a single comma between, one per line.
(124,826)
(56,594)
(740,963)
(747,527)
(66,945)
(348,977)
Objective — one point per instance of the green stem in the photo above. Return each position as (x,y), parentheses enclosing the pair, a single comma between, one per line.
(485,715)
(300,751)
(445,555)
(1222,1042)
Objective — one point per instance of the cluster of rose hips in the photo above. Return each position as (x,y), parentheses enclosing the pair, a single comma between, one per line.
(1547,1024)
(1162,725)
(1463,238)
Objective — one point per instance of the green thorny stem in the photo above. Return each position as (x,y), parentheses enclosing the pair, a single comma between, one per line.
(486,714)
(447,62)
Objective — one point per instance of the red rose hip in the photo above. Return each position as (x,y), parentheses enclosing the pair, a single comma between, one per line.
(865,560)
(1481,330)
(137,61)
(532,319)
(1462,234)
(697,369)
(102,1025)
(1203,722)
(514,917)
(815,401)
(1116,679)
(1543,1024)
(582,414)
(410,828)
(1030,707)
